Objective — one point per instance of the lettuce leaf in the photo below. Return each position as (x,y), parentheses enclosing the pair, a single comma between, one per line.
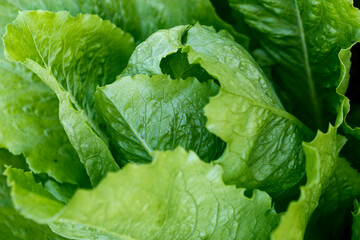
(176,195)
(305,38)
(14,226)
(321,159)
(251,133)
(47,51)
(143,114)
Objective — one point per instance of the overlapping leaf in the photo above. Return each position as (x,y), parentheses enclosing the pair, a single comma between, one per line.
(305,38)
(177,196)
(144,114)
(73,56)
(13,226)
(321,159)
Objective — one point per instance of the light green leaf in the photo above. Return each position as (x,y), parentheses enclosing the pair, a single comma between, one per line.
(321,159)
(143,114)
(29,124)
(141,18)
(176,197)
(262,138)
(11,8)
(13,226)
(47,50)
(30,198)
(305,38)
(246,114)
(147,56)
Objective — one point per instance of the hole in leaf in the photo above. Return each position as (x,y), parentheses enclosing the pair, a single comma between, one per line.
(249,193)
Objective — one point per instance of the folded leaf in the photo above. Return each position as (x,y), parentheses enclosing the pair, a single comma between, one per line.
(50,41)
(177,196)
(13,226)
(38,205)
(32,126)
(144,114)
(261,136)
(147,56)
(29,124)
(321,159)
(305,38)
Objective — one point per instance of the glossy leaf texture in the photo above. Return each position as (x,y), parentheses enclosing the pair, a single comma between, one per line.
(24,127)
(263,140)
(31,126)
(305,38)
(175,196)
(143,114)
(73,56)
(321,159)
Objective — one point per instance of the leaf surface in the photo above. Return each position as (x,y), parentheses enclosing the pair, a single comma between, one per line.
(304,38)
(73,69)
(143,114)
(321,159)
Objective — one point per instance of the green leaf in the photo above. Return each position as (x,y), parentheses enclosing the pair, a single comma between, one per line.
(7,158)
(30,198)
(29,124)
(11,8)
(143,114)
(356,221)
(177,196)
(15,227)
(46,50)
(32,126)
(261,136)
(321,159)
(62,192)
(329,218)
(141,18)
(305,38)
(147,56)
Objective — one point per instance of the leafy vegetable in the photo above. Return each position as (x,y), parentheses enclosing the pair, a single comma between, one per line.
(161,120)
(143,114)
(163,201)
(305,38)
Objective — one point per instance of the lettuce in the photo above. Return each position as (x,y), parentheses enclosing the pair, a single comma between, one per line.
(160,120)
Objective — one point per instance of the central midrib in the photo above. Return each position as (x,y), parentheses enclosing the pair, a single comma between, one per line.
(132,129)
(88,119)
(310,81)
